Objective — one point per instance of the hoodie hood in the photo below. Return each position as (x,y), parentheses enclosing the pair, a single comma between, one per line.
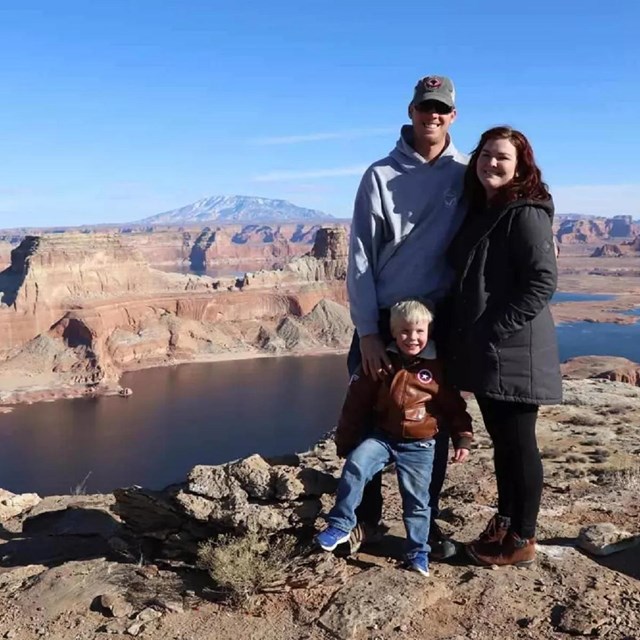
(406,156)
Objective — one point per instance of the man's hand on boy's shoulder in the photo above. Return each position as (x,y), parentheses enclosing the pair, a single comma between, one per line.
(375,361)
(460,455)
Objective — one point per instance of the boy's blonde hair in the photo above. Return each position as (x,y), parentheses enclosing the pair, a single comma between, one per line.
(411,310)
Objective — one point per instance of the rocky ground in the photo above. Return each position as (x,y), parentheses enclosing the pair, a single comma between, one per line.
(85,567)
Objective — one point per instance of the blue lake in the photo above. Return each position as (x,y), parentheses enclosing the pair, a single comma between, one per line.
(566,296)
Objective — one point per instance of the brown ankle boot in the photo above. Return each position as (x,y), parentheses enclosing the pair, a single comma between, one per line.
(513,550)
(495,531)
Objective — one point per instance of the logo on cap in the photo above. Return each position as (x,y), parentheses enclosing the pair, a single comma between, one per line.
(431,83)
(424,375)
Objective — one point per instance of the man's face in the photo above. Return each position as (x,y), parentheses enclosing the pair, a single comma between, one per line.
(431,121)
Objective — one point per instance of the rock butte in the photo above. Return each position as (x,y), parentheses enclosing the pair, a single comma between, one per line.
(79,309)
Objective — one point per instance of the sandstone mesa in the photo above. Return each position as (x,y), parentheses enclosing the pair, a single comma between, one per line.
(77,310)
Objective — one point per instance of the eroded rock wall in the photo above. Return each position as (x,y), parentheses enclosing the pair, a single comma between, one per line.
(82,312)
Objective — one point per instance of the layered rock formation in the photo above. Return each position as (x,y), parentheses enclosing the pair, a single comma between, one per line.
(594,229)
(618,250)
(79,310)
(196,246)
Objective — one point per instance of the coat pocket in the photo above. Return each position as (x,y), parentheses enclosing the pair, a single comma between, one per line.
(418,423)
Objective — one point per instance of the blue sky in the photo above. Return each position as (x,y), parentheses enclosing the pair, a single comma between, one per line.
(113,110)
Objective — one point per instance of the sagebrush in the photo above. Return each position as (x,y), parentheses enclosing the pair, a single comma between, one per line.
(245,566)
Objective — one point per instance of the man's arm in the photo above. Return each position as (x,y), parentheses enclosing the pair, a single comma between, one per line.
(365,242)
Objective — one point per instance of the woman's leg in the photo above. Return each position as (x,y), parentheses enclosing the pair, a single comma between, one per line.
(494,418)
(527,471)
(519,475)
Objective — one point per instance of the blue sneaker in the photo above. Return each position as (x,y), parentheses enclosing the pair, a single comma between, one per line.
(419,563)
(331,537)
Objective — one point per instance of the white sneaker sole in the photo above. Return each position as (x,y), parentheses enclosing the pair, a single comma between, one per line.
(339,541)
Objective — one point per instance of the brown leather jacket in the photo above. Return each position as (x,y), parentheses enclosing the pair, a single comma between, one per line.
(408,404)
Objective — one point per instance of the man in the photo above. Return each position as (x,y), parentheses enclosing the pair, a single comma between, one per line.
(406,212)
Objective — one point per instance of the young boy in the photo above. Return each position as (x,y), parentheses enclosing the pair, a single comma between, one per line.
(399,415)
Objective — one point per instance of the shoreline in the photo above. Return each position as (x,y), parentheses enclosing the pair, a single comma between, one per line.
(12,398)
(619,310)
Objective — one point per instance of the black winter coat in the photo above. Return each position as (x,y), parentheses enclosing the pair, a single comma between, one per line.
(502,338)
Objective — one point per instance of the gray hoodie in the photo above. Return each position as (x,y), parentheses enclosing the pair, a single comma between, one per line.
(405,214)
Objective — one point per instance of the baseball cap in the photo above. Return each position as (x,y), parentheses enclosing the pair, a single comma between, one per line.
(438,88)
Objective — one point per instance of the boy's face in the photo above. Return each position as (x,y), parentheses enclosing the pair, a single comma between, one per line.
(411,337)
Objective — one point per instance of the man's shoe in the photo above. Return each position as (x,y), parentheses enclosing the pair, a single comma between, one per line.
(442,547)
(513,550)
(363,533)
(330,538)
(419,563)
(495,531)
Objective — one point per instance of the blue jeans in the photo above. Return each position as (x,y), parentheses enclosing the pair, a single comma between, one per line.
(414,462)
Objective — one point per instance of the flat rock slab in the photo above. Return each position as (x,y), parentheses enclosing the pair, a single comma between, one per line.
(604,538)
(381,599)
(71,587)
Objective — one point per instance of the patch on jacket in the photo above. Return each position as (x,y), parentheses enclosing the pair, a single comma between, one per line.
(353,378)
(424,375)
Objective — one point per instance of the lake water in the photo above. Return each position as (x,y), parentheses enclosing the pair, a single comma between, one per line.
(177,417)
(566,296)
(204,414)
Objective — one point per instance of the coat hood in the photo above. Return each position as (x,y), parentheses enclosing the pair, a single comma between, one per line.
(545,205)
(406,156)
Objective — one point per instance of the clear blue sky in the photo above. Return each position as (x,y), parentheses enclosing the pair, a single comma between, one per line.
(112,110)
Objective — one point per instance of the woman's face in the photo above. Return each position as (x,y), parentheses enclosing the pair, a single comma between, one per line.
(497,164)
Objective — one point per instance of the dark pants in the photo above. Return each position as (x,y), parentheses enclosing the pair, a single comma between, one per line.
(370,509)
(518,466)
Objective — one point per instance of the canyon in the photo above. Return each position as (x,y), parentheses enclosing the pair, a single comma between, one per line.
(78,307)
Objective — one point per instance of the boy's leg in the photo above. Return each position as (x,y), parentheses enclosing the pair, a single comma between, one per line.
(361,465)
(414,464)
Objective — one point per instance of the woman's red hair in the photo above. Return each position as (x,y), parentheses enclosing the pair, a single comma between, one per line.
(527,184)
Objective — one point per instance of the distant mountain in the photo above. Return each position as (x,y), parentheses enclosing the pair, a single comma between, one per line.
(236,209)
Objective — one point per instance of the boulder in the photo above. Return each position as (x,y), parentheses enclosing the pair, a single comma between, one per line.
(603,539)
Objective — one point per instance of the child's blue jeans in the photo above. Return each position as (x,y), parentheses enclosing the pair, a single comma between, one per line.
(414,463)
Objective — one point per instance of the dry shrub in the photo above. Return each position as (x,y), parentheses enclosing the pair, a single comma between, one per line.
(246,566)
(628,479)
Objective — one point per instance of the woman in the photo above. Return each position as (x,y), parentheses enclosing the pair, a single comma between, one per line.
(503,345)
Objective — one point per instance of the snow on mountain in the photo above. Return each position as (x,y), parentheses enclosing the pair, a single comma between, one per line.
(236,209)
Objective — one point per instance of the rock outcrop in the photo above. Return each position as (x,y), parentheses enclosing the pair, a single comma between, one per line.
(603,367)
(76,313)
(617,250)
(593,229)
(124,565)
